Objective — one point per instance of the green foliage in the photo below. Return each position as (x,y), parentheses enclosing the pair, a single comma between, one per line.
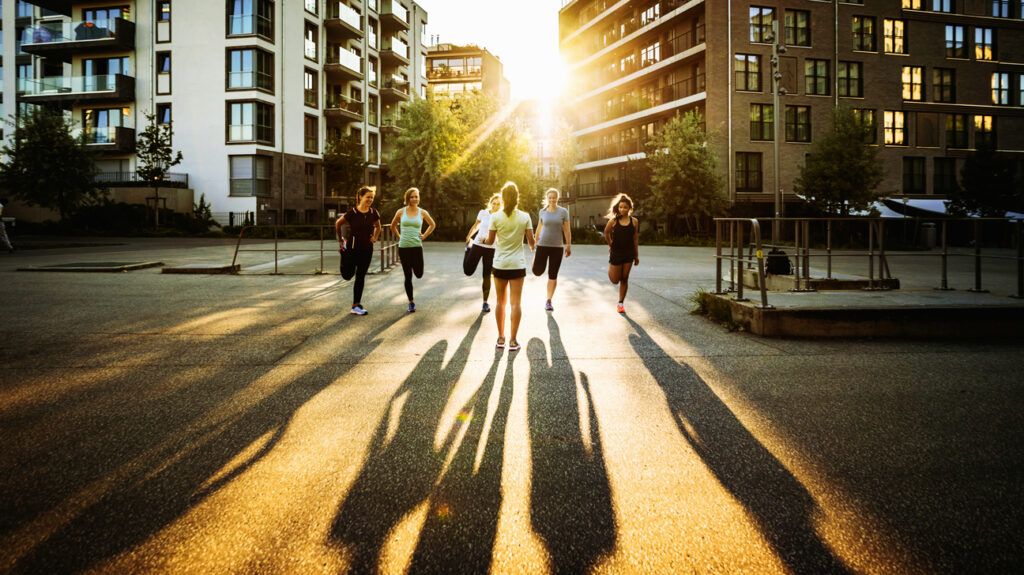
(567,153)
(155,154)
(46,165)
(202,214)
(843,172)
(636,180)
(683,168)
(344,166)
(990,185)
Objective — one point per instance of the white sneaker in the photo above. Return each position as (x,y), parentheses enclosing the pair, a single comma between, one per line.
(358,310)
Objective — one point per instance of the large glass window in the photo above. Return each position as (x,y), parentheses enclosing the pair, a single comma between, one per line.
(761,24)
(955,45)
(250,175)
(944,83)
(311,48)
(798,28)
(748,72)
(864,33)
(894,128)
(866,118)
(250,122)
(912,81)
(250,68)
(984,44)
(913,175)
(311,133)
(851,79)
(942,5)
(894,36)
(1001,8)
(748,172)
(912,4)
(762,122)
(310,90)
(956,130)
(1001,88)
(103,17)
(311,6)
(984,131)
(798,123)
(248,17)
(816,80)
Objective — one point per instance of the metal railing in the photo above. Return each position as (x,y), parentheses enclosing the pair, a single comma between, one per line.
(737,260)
(387,244)
(876,255)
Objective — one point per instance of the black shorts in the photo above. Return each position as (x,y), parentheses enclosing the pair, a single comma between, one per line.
(616,258)
(509,274)
(550,258)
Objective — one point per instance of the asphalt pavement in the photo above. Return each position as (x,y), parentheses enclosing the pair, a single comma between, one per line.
(249,424)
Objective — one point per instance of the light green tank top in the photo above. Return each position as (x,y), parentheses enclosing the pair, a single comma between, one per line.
(409,230)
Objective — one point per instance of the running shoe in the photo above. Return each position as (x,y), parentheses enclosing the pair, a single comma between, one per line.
(358,310)
(549,307)
(514,345)
(486,308)
(500,344)
(621,308)
(412,307)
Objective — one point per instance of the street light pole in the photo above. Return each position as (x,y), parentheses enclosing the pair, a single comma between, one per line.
(778,48)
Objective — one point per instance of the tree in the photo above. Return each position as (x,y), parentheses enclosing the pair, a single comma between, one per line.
(567,153)
(344,166)
(46,165)
(843,172)
(684,174)
(155,157)
(989,186)
(636,180)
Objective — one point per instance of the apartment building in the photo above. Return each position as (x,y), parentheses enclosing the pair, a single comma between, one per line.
(455,70)
(254,87)
(934,78)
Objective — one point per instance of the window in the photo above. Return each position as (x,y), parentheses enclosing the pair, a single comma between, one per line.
(894,128)
(942,5)
(1001,8)
(798,28)
(913,83)
(312,42)
(762,122)
(311,132)
(250,175)
(650,55)
(944,85)
(312,183)
(372,107)
(851,79)
(100,124)
(1001,88)
(866,119)
(748,172)
(311,6)
(893,36)
(163,114)
(955,46)
(310,93)
(984,131)
(913,175)
(250,122)
(103,16)
(163,72)
(945,176)
(651,14)
(1020,86)
(748,73)
(984,44)
(816,77)
(956,130)
(864,33)
(163,11)
(761,24)
(912,4)
(250,68)
(248,17)
(798,123)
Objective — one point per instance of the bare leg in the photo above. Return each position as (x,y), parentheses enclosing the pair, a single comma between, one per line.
(517,309)
(624,281)
(614,273)
(551,288)
(501,286)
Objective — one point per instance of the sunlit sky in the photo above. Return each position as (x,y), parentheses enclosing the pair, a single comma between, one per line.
(524,34)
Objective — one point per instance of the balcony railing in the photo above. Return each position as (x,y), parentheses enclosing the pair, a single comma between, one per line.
(345,13)
(613,150)
(55,32)
(339,102)
(592,190)
(633,102)
(72,84)
(461,72)
(397,10)
(397,46)
(345,58)
(677,45)
(132,180)
(109,138)
(622,28)
(398,84)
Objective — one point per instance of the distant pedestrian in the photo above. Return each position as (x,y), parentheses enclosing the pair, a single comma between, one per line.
(554,237)
(357,249)
(508,228)
(410,239)
(5,242)
(477,250)
(622,233)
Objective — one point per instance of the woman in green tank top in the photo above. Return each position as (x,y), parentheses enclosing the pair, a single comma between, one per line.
(408,225)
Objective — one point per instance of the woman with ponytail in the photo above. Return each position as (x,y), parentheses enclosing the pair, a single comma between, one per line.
(508,228)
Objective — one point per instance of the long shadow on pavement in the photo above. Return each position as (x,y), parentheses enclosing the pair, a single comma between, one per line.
(778,504)
(400,472)
(570,498)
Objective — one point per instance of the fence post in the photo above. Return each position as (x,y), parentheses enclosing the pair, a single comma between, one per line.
(977,259)
(796,255)
(321,270)
(732,256)
(1020,259)
(944,286)
(275,249)
(718,256)
(871,255)
(883,264)
(828,247)
(739,285)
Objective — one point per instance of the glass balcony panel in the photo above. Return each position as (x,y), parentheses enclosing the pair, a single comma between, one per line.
(348,59)
(346,14)
(397,46)
(68,84)
(52,32)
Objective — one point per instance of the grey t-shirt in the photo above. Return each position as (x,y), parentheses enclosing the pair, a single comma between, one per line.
(551,233)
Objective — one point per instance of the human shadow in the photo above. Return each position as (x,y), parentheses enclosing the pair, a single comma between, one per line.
(155,491)
(401,469)
(779,505)
(570,494)
(462,523)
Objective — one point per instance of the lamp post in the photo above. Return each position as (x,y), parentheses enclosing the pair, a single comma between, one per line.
(778,48)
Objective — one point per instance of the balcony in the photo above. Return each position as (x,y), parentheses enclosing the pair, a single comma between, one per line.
(60,6)
(343,22)
(113,139)
(459,73)
(394,52)
(607,188)
(395,88)
(338,108)
(342,65)
(393,16)
(389,125)
(633,102)
(62,40)
(74,89)
(132,179)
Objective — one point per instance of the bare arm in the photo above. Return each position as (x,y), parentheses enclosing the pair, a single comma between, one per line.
(430,225)
(608,232)
(376,231)
(491,235)
(469,234)
(530,239)
(636,242)
(567,232)
(394,222)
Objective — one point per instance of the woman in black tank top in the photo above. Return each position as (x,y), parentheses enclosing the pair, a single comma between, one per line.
(622,233)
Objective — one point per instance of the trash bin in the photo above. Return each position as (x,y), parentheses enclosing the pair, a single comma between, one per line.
(928,235)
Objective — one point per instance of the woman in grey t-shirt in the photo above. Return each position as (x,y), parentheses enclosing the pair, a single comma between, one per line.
(554,237)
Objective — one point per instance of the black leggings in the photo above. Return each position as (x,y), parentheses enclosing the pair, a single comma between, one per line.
(548,257)
(412,263)
(356,263)
(477,253)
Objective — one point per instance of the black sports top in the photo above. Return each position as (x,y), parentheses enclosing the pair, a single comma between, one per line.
(361,225)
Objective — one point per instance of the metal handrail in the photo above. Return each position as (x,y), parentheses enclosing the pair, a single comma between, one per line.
(386,244)
(738,261)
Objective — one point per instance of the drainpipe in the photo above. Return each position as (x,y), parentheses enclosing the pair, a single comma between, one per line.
(729,161)
(283,92)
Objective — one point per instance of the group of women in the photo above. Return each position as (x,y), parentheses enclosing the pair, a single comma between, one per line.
(495,240)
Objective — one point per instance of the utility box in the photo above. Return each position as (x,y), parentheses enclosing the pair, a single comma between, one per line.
(928,235)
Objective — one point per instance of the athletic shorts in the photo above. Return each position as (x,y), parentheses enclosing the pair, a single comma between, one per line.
(509,274)
(616,258)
